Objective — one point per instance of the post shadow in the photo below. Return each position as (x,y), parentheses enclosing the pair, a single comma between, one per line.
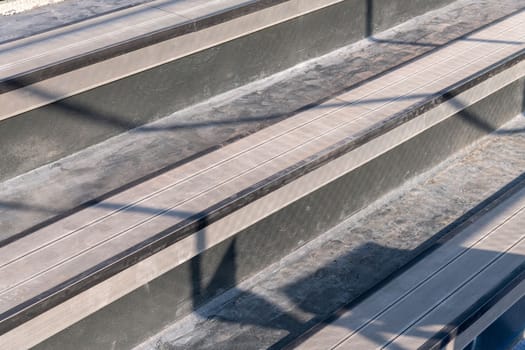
(369,24)
(322,292)
(203,288)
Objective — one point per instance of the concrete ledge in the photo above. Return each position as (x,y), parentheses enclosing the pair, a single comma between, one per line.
(10,7)
(141,153)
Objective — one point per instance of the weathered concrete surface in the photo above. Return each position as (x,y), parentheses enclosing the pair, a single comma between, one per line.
(232,279)
(382,14)
(24,202)
(10,7)
(272,308)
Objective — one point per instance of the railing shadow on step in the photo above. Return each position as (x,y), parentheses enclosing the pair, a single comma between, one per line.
(318,296)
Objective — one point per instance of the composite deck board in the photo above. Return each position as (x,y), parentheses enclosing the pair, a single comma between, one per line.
(418,304)
(67,248)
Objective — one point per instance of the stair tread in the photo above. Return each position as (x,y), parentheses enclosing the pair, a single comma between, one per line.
(333,273)
(60,254)
(139,153)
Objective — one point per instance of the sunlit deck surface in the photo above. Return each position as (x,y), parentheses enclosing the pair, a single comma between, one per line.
(92,257)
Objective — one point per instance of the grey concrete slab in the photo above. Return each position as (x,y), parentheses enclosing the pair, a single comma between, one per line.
(62,250)
(51,247)
(42,19)
(414,313)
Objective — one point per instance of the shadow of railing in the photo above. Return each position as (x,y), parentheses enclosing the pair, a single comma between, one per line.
(432,45)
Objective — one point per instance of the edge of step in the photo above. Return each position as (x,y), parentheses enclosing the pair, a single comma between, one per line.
(156,22)
(247,109)
(462,329)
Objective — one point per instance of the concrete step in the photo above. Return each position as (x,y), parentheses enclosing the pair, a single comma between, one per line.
(266,192)
(313,295)
(273,179)
(448,297)
(133,156)
(74,86)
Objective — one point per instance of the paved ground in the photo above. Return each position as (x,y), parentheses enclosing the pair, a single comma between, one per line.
(273,307)
(278,304)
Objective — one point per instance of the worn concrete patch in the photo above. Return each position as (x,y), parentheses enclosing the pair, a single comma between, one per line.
(55,13)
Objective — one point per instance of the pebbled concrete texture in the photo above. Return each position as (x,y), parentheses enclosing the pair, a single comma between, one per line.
(382,14)
(147,310)
(71,181)
(269,310)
